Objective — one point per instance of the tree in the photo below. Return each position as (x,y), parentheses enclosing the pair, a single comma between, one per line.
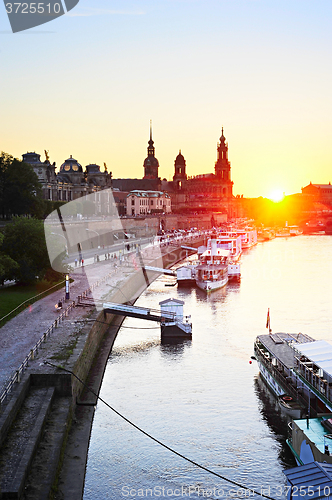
(8,267)
(24,242)
(20,189)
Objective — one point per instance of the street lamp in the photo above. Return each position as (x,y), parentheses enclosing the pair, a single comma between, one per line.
(61,235)
(67,286)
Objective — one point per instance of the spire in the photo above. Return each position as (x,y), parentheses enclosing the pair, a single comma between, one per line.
(150,143)
(222,138)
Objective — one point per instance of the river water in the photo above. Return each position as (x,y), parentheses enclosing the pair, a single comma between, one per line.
(204,398)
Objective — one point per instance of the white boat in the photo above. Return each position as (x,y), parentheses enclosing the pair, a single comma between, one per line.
(212,270)
(295,231)
(229,241)
(234,271)
(248,237)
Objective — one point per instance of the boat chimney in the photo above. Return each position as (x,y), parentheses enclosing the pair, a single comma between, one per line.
(213,246)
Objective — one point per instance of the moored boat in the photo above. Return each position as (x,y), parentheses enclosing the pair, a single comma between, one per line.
(212,270)
(291,406)
(299,366)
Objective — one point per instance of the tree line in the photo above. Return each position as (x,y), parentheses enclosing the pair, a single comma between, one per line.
(23,252)
(20,190)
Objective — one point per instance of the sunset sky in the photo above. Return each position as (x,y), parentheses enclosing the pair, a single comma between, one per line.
(88,83)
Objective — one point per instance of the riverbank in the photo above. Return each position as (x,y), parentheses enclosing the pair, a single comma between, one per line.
(74,345)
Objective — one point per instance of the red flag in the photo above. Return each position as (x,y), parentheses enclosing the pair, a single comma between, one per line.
(268,319)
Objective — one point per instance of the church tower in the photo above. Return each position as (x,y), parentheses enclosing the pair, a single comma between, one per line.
(223,166)
(151,164)
(180,175)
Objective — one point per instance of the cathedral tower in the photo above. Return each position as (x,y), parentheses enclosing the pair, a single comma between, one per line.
(151,164)
(223,166)
(179,171)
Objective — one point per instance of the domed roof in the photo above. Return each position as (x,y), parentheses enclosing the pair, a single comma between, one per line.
(151,161)
(93,168)
(179,160)
(71,165)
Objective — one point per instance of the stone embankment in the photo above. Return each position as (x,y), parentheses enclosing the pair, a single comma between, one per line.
(45,421)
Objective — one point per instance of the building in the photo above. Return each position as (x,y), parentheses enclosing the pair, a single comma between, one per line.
(211,192)
(204,193)
(151,164)
(148,202)
(71,182)
(319,192)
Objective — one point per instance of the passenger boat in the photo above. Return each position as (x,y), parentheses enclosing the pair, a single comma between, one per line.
(229,241)
(310,439)
(295,231)
(300,367)
(248,237)
(212,270)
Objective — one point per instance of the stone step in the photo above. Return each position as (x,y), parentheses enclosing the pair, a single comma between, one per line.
(22,440)
(44,468)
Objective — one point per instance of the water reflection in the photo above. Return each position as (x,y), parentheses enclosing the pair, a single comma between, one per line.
(276,420)
(174,348)
(203,397)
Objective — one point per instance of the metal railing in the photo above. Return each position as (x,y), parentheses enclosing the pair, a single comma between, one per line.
(28,302)
(16,377)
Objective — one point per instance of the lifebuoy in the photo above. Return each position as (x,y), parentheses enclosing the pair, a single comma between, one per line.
(287,398)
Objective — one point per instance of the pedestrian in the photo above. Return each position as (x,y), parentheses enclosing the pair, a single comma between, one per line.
(82,262)
(75,262)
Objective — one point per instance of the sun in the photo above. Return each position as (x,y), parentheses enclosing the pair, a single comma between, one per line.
(277,195)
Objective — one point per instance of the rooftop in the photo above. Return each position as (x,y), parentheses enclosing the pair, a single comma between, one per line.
(280,345)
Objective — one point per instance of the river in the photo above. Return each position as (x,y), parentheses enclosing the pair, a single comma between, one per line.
(205,398)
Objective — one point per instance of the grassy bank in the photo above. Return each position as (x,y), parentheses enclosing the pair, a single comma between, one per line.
(12,297)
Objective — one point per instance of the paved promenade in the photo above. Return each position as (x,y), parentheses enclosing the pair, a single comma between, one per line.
(21,333)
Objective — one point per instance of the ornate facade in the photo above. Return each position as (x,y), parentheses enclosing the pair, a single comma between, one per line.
(71,182)
(202,193)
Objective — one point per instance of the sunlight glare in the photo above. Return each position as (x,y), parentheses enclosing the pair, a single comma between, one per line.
(277,195)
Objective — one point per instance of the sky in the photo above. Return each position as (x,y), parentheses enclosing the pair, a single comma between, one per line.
(88,83)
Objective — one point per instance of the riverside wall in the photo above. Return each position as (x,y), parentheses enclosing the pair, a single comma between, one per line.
(76,351)
(131,289)
(90,365)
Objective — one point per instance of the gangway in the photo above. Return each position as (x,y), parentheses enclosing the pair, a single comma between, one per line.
(189,248)
(160,270)
(139,312)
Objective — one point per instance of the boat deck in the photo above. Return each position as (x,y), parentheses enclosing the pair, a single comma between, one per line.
(315,432)
(280,345)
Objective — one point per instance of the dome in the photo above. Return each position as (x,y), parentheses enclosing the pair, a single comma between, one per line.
(93,168)
(71,166)
(179,160)
(151,161)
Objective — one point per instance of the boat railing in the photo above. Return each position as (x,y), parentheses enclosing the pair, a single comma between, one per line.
(327,443)
(282,379)
(312,376)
